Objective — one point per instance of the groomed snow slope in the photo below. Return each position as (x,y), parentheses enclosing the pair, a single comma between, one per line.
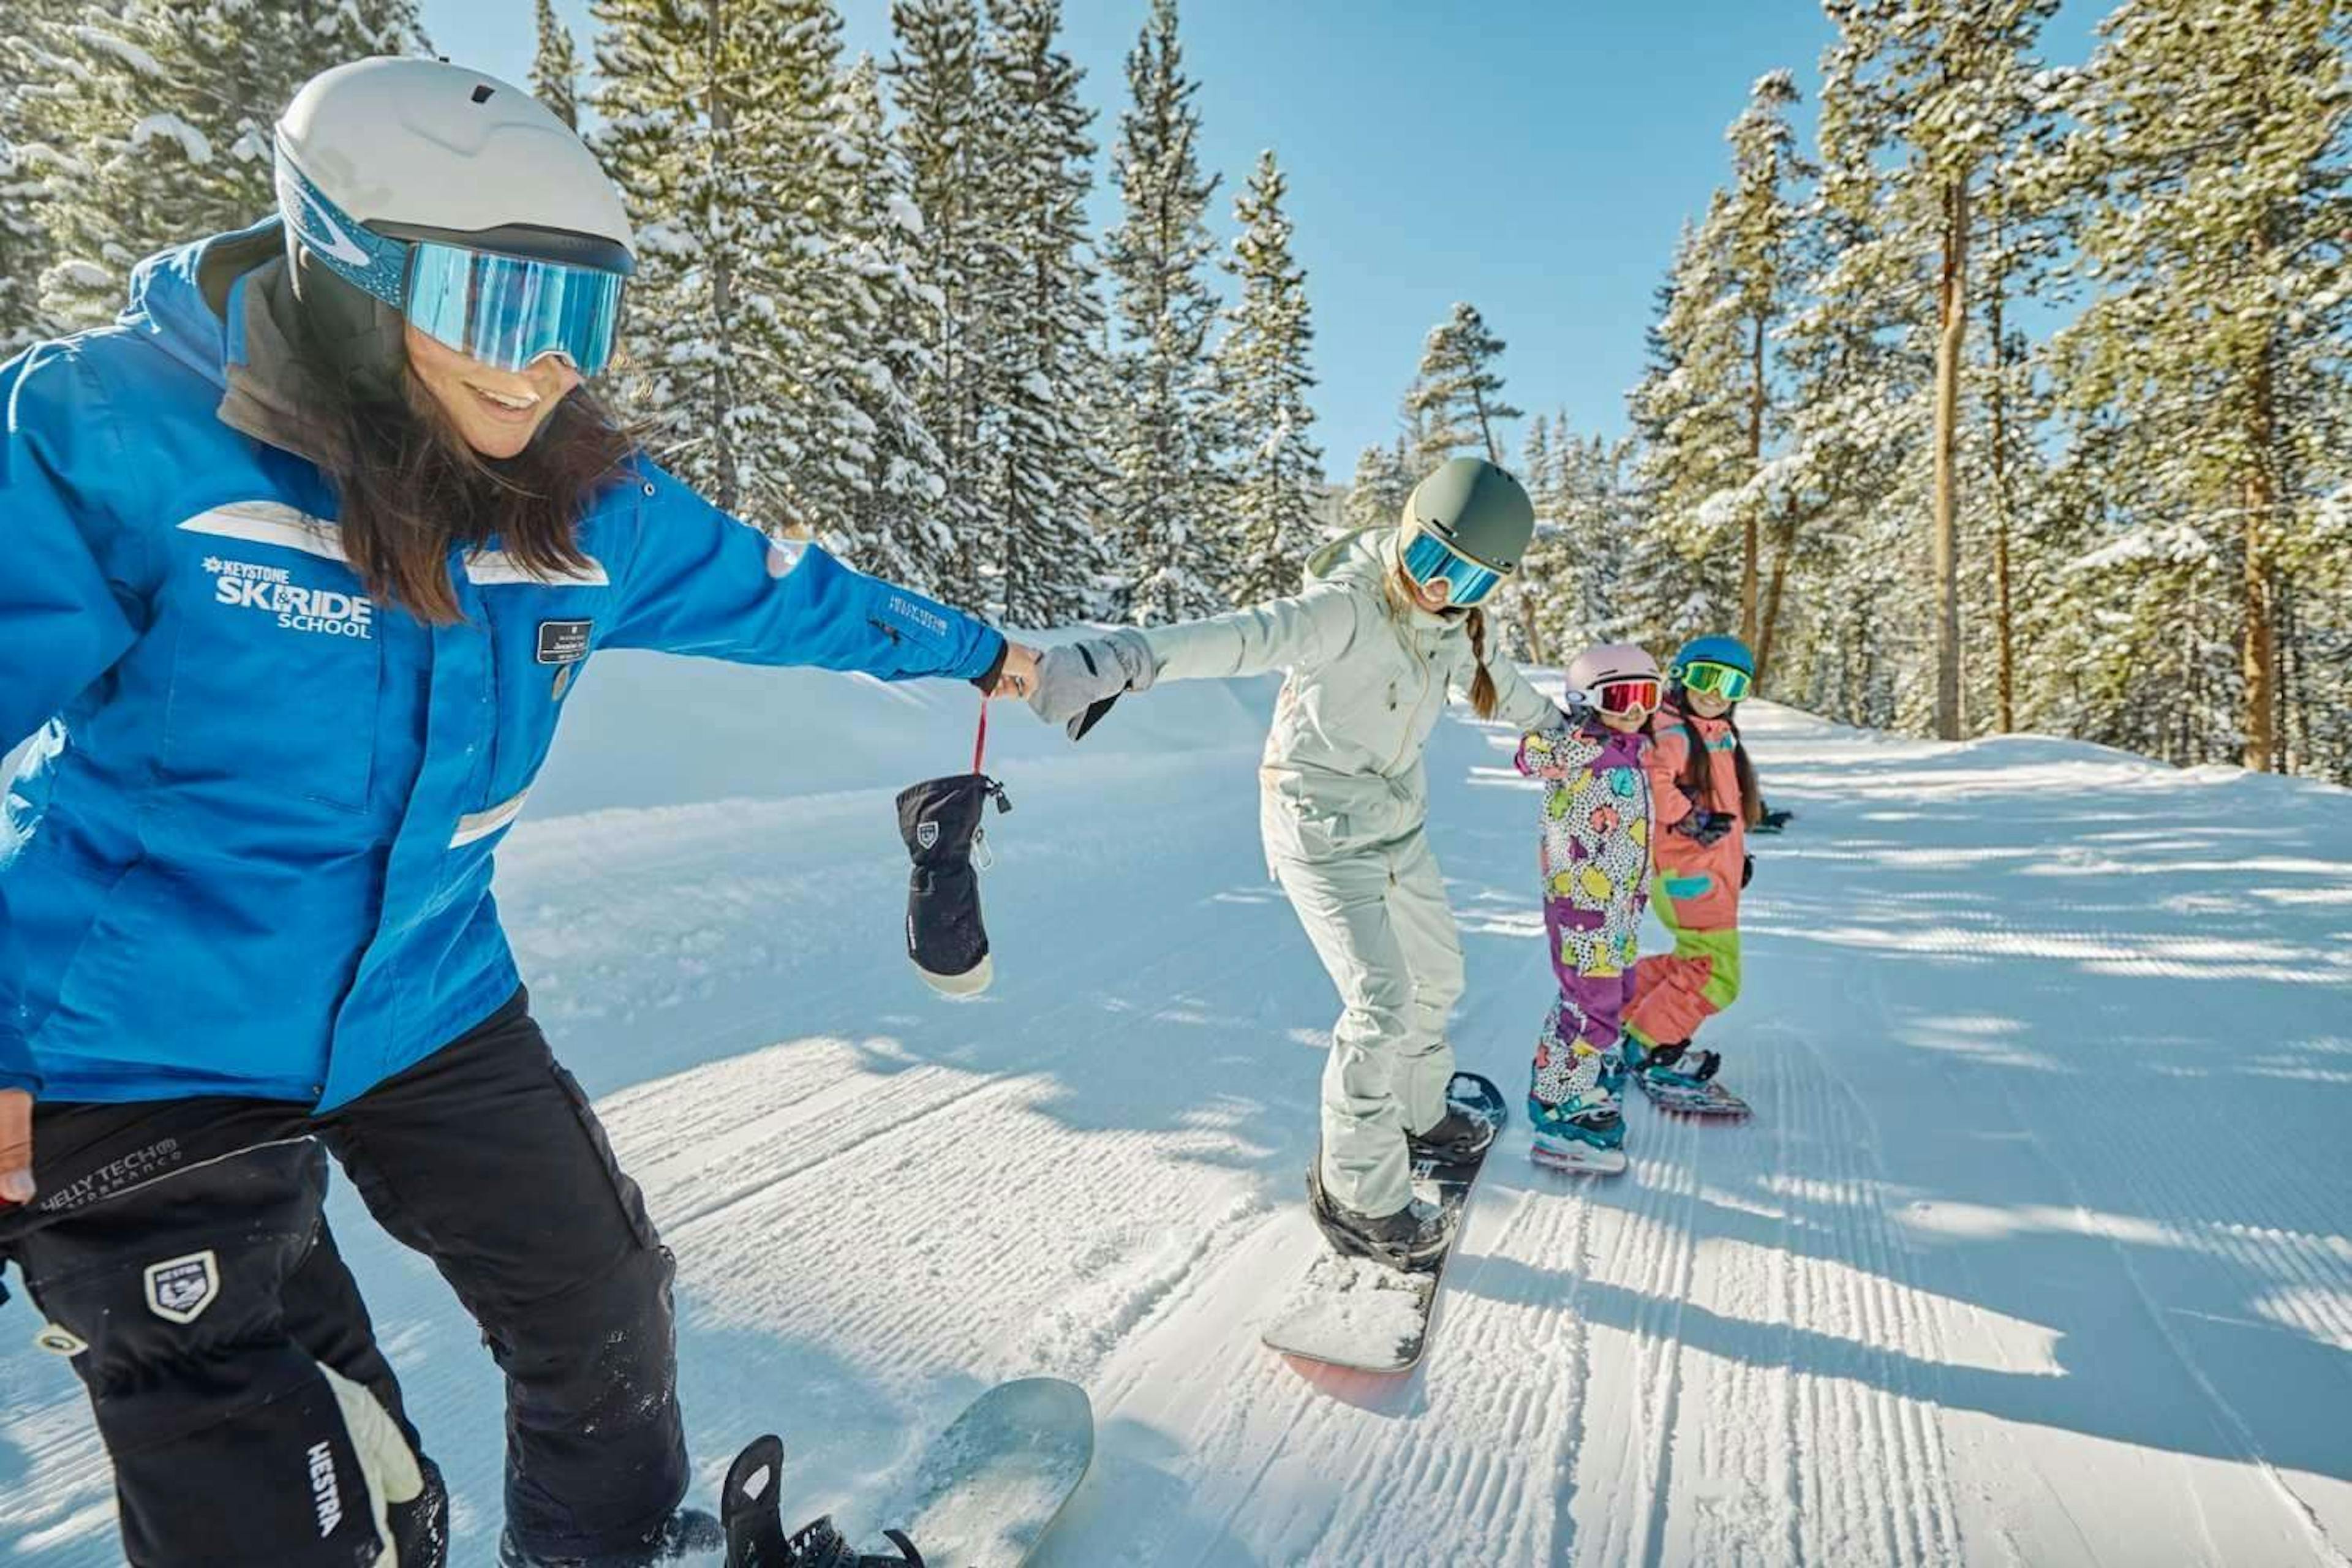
(2035,1251)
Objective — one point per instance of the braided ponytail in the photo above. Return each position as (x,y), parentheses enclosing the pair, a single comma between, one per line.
(1483,698)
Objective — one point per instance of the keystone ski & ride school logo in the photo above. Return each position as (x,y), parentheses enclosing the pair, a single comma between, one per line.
(328,612)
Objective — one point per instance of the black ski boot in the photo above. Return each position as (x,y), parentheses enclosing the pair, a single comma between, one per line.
(1458,1139)
(688,1531)
(755,1530)
(1414,1238)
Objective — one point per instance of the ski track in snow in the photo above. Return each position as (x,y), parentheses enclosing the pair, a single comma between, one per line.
(2035,1250)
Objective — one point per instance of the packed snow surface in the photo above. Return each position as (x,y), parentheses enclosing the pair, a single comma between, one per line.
(2035,1250)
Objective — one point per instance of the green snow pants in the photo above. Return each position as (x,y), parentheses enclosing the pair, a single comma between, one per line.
(1379,919)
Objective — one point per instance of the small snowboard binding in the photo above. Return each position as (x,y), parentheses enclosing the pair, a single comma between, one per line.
(748,1507)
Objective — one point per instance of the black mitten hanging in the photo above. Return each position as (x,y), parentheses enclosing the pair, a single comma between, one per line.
(939,819)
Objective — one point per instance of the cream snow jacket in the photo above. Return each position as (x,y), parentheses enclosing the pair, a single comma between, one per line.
(1342,771)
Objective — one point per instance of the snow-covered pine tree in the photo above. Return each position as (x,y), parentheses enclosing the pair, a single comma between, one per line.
(1376,495)
(1263,377)
(28,52)
(1949,83)
(160,118)
(1849,559)
(2213,153)
(1044,469)
(1523,605)
(1760,237)
(943,138)
(1689,411)
(1166,503)
(689,136)
(889,464)
(1459,390)
(555,66)
(811,334)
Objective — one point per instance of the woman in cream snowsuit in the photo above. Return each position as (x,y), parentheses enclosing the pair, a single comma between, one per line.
(1387,627)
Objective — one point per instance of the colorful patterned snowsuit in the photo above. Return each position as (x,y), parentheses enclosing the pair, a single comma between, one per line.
(1698,886)
(1595,859)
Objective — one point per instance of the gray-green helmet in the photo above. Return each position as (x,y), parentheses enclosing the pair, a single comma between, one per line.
(1476,509)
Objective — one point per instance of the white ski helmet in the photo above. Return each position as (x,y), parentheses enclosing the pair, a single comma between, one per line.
(414,190)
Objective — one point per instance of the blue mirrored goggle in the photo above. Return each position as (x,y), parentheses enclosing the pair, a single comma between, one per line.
(1428,559)
(505,310)
(509,310)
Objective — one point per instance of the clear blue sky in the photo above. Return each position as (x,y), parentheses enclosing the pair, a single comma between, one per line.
(1534,157)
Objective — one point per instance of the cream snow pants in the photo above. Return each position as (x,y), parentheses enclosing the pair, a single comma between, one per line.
(1379,919)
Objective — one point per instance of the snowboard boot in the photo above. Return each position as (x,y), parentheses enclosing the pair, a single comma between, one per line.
(690,1533)
(755,1531)
(1414,1238)
(1458,1139)
(1581,1131)
(939,820)
(1677,1066)
(1616,1065)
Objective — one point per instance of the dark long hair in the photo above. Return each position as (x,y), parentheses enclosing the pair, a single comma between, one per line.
(1699,772)
(408,485)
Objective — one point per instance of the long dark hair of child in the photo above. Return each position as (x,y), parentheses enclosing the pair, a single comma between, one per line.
(1698,777)
(407,487)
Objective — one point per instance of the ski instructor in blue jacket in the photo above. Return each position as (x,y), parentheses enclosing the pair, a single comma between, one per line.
(304,556)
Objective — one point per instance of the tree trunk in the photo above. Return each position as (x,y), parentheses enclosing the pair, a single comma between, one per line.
(1749,526)
(2258,646)
(2003,624)
(1952,303)
(1784,545)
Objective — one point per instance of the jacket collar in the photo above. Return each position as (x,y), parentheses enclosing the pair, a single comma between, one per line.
(268,392)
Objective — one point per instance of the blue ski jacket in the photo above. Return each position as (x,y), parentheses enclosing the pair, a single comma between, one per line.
(253,857)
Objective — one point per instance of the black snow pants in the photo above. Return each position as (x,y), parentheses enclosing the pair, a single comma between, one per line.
(178,1251)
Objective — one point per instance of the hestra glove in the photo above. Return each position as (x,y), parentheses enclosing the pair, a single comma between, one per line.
(939,820)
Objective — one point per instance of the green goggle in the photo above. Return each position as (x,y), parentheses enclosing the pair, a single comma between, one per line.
(1727,681)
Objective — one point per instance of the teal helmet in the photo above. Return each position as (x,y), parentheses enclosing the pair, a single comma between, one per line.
(1719,648)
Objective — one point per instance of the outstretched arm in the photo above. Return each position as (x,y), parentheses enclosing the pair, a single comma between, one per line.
(1517,701)
(1312,627)
(704,582)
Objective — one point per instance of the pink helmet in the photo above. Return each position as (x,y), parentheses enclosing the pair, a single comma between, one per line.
(1610,661)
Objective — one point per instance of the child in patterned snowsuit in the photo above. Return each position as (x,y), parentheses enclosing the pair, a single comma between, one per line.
(1705,798)
(1595,860)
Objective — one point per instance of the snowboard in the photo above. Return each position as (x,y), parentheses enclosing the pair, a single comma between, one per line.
(1774,822)
(985,1494)
(1708,1099)
(1368,1315)
(1580,1159)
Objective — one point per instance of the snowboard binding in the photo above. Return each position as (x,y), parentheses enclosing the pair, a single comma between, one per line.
(1677,1063)
(748,1507)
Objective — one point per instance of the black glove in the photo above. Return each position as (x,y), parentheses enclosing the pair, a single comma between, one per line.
(1705,829)
(939,820)
(1747,869)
